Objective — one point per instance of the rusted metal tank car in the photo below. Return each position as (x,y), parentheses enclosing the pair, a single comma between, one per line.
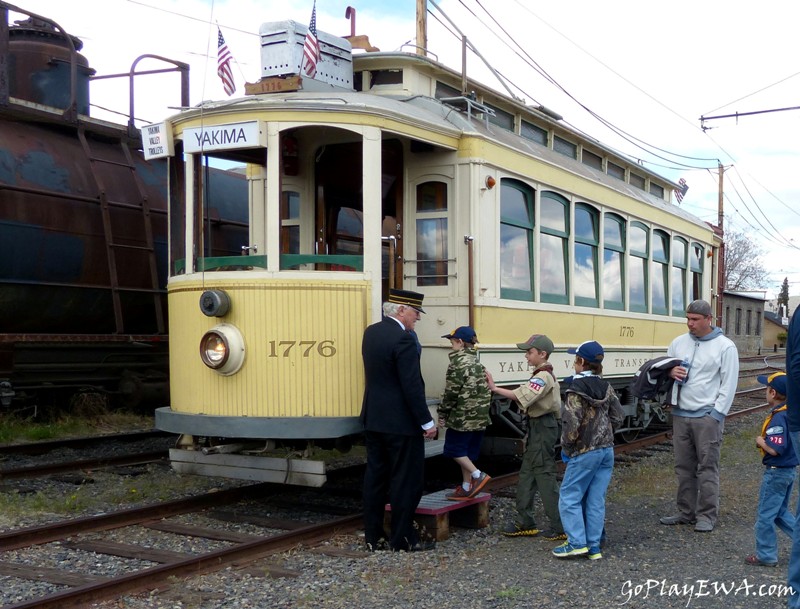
(83,232)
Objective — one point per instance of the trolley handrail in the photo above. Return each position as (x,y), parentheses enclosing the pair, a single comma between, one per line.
(356,262)
(288,261)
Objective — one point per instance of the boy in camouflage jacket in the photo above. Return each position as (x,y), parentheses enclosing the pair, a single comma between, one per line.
(590,415)
(464,411)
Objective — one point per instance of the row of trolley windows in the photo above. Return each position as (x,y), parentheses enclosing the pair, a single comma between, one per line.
(639,269)
(660,271)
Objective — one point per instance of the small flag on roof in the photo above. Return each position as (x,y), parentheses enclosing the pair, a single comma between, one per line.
(681,191)
(311,47)
(224,58)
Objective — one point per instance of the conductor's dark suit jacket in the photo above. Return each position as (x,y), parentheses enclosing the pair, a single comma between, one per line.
(394,397)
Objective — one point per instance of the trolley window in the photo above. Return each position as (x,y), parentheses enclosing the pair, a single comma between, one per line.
(615,171)
(660,272)
(432,268)
(614,262)
(592,160)
(636,180)
(640,252)
(516,240)
(564,147)
(657,190)
(531,132)
(679,275)
(554,240)
(584,280)
(290,222)
(696,267)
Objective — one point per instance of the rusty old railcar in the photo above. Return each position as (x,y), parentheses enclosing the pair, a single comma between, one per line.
(83,231)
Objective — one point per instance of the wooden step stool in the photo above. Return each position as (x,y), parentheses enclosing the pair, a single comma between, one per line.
(435,513)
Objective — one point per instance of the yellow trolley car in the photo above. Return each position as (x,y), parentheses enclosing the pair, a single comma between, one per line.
(383,171)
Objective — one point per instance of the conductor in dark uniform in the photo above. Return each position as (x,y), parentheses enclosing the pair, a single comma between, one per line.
(396,421)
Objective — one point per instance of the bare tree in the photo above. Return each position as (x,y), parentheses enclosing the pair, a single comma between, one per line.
(744,269)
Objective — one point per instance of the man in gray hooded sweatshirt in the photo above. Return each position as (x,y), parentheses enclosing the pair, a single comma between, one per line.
(708,379)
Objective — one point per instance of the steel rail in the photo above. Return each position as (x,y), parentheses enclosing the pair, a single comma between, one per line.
(148,579)
(34,471)
(22,538)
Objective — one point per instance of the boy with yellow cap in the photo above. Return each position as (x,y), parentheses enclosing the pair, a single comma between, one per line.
(780,463)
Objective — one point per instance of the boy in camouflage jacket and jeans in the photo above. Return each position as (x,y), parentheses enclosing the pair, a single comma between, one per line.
(464,411)
(540,399)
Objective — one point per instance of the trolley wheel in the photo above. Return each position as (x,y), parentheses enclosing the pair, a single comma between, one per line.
(630,435)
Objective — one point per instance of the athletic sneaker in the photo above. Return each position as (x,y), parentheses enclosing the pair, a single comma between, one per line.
(755,562)
(676,519)
(479,483)
(458,495)
(515,530)
(594,554)
(566,550)
(554,536)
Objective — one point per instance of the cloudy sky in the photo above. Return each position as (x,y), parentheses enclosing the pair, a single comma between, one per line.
(635,75)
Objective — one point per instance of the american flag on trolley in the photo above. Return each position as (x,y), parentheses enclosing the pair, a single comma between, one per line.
(224,58)
(681,192)
(311,47)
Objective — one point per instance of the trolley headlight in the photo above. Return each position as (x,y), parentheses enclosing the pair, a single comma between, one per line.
(215,303)
(222,349)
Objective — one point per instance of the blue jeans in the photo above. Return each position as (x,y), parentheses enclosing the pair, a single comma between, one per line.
(582,499)
(794,557)
(773,510)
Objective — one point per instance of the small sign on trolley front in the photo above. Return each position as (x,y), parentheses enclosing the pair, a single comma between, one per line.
(157,141)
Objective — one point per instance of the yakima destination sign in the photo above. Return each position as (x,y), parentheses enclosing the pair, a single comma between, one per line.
(223,137)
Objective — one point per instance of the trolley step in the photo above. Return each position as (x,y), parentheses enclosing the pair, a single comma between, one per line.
(435,513)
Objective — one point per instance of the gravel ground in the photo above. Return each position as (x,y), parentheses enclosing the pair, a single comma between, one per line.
(644,565)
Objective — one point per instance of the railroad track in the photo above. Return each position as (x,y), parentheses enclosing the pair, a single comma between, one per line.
(40,459)
(85,535)
(42,447)
(47,469)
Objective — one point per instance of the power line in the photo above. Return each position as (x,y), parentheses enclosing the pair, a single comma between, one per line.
(637,142)
(761,90)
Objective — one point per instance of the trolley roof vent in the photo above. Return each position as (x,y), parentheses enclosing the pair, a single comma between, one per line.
(282,57)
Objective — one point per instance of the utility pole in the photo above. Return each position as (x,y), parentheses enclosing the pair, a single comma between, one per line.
(721,261)
(422,27)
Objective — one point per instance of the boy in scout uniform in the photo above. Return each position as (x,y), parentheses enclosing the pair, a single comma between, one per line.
(540,399)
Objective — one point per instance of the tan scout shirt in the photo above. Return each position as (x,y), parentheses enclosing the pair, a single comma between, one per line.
(540,395)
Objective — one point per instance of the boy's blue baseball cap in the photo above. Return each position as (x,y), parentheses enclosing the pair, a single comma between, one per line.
(465,333)
(591,351)
(776,380)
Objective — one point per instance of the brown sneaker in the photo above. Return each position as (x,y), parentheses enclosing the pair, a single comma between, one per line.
(459,494)
(753,560)
(478,484)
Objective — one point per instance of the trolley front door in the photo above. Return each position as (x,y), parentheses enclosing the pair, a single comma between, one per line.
(339,227)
